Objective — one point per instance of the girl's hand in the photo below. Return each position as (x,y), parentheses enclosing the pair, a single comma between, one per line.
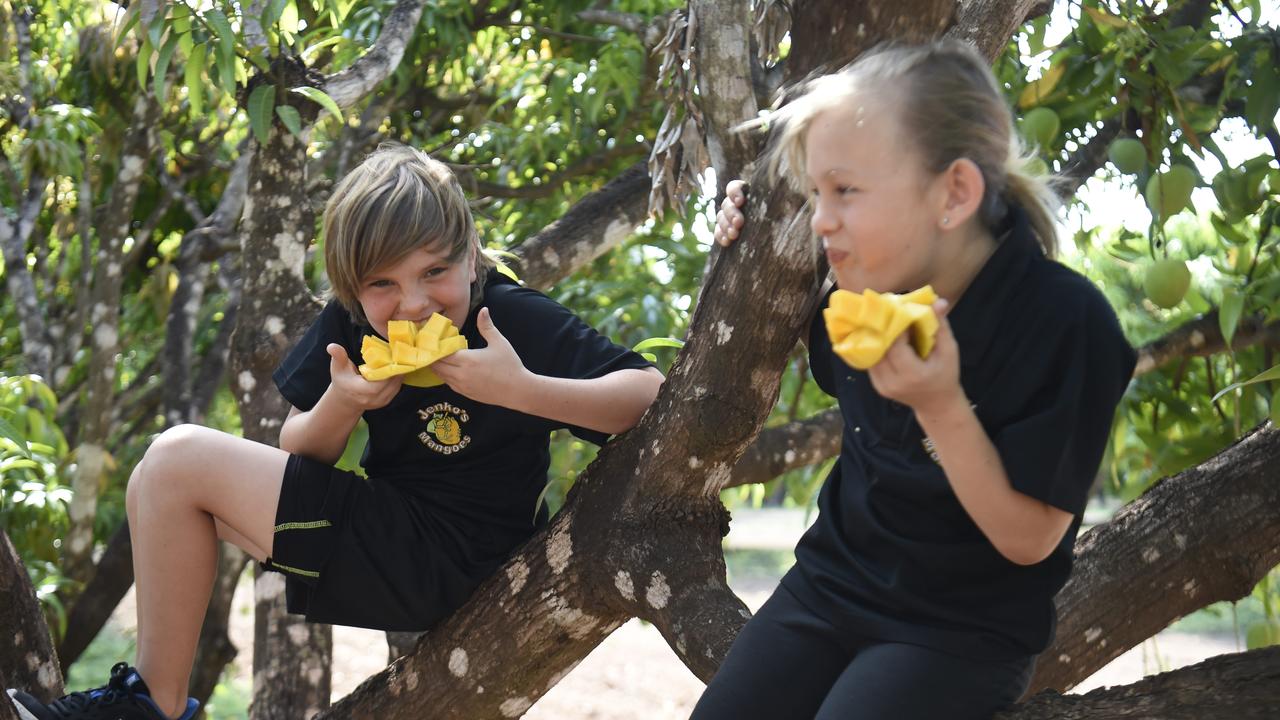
(351,386)
(926,385)
(493,375)
(730,219)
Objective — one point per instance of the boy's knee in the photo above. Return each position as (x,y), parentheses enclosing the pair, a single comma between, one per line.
(167,454)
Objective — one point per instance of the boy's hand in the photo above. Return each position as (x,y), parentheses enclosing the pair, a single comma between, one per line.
(351,385)
(927,385)
(493,374)
(729,219)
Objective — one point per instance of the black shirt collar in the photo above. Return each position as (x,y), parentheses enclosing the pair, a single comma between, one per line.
(975,319)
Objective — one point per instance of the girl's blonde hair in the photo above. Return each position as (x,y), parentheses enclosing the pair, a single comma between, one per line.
(398,200)
(947,101)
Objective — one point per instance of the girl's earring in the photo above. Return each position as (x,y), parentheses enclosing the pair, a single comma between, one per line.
(945,220)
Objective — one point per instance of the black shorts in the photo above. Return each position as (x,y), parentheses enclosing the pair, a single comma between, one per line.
(365,553)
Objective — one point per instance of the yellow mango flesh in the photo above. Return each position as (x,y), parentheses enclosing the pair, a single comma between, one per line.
(410,349)
(862,327)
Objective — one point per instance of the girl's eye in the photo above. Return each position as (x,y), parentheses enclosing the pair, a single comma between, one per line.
(435,272)
(845,190)
(380,283)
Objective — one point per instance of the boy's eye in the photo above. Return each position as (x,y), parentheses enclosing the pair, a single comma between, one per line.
(435,272)
(380,283)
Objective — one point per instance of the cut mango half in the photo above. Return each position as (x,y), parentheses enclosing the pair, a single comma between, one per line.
(409,349)
(862,327)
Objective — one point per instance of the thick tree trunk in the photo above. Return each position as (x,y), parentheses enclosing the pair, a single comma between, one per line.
(27,661)
(291,657)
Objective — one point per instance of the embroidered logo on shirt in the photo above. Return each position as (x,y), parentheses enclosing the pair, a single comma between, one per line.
(444,428)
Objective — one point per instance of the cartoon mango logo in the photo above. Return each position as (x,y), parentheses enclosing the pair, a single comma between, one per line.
(446,429)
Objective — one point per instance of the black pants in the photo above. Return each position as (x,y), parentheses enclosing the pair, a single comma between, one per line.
(790,663)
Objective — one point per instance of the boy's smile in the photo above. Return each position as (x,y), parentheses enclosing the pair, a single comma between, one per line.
(415,286)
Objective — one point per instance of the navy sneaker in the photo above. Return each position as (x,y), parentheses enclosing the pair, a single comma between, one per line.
(124,697)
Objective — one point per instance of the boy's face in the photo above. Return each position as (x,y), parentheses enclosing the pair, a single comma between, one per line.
(873,205)
(417,285)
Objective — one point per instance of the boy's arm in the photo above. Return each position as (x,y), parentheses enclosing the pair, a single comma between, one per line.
(611,403)
(321,433)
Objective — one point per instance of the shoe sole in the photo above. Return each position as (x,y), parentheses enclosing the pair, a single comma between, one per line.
(23,712)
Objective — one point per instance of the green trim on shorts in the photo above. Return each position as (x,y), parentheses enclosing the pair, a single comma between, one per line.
(295,571)
(313,525)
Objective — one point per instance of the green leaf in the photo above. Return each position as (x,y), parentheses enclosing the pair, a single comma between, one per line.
(227,68)
(161,79)
(1227,230)
(321,98)
(261,100)
(289,19)
(195,86)
(133,15)
(289,116)
(144,62)
(156,29)
(657,342)
(1264,376)
(10,433)
(306,54)
(1229,313)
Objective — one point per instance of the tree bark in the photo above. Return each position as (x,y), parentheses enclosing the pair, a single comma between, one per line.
(28,662)
(104,318)
(1239,686)
(594,225)
(1167,554)
(291,657)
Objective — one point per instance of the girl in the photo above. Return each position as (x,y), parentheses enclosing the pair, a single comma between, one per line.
(454,470)
(925,587)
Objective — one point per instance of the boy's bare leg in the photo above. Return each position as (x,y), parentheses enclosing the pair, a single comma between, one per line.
(192,481)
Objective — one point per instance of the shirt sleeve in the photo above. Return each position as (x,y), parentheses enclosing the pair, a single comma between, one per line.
(1052,448)
(821,355)
(303,376)
(554,342)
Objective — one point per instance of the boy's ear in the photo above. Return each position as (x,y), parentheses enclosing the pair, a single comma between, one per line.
(964,187)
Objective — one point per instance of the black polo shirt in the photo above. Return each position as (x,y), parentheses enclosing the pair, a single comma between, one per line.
(478,468)
(893,555)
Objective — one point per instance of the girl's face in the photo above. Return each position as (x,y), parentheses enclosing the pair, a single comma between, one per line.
(874,207)
(416,285)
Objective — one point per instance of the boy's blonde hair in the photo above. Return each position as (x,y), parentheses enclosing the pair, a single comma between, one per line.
(396,201)
(948,104)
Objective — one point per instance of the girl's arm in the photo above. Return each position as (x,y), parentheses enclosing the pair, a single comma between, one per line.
(321,433)
(612,403)
(1023,529)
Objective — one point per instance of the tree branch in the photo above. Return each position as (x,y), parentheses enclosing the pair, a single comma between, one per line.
(355,82)
(594,225)
(1237,686)
(583,166)
(1164,555)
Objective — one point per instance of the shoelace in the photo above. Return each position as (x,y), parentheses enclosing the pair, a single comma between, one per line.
(78,701)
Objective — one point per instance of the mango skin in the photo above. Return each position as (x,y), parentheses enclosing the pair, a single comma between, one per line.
(862,327)
(411,350)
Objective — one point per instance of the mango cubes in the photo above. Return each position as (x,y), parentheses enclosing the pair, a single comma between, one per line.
(862,327)
(410,349)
